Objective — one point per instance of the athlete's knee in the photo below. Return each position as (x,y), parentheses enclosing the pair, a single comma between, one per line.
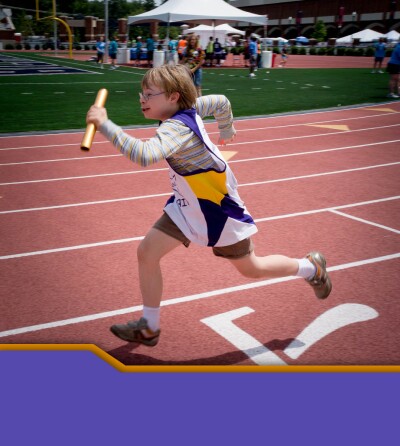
(146,253)
(247,269)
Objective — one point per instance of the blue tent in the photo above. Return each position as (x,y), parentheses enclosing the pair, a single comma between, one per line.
(302,39)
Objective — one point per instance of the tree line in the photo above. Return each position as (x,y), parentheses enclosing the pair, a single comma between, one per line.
(24,12)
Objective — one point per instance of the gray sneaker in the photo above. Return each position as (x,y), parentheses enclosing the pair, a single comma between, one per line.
(320,282)
(136,331)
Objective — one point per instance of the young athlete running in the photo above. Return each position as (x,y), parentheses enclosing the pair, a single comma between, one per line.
(205,207)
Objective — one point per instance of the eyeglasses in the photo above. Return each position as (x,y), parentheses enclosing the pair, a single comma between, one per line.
(147,97)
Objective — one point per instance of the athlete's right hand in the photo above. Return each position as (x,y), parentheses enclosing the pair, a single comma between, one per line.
(96,115)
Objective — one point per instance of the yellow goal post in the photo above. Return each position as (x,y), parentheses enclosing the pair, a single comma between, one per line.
(54,17)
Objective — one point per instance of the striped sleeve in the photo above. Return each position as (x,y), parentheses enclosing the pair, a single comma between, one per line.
(219,107)
(170,136)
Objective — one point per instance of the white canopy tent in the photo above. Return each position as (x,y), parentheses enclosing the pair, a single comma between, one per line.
(218,32)
(392,36)
(274,41)
(228,29)
(365,36)
(207,12)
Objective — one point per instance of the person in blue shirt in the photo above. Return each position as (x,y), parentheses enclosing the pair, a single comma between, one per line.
(112,52)
(393,68)
(253,55)
(150,51)
(101,48)
(172,51)
(139,45)
(380,51)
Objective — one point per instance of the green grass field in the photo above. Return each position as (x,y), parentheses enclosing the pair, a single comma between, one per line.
(60,102)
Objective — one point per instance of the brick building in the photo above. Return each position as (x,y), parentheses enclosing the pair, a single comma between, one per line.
(290,18)
(93,28)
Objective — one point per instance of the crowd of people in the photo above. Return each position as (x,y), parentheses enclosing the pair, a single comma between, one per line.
(188,51)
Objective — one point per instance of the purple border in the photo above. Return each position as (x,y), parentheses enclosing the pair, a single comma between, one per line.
(74,397)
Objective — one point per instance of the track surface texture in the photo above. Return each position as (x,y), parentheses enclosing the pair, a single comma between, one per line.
(328,180)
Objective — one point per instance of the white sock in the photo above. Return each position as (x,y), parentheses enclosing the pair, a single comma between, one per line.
(306,269)
(153,317)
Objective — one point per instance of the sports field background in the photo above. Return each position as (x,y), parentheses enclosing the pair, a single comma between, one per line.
(37,103)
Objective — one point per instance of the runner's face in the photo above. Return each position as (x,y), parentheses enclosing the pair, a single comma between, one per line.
(156,105)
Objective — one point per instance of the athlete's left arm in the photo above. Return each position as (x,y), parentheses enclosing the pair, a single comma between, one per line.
(219,107)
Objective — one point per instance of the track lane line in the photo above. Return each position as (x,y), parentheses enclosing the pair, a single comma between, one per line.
(134,172)
(93,203)
(285,155)
(335,172)
(341,132)
(138,238)
(362,220)
(245,119)
(190,298)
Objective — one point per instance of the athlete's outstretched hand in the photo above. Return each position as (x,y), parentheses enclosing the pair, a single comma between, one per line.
(225,141)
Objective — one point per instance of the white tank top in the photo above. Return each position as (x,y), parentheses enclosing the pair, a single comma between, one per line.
(206,205)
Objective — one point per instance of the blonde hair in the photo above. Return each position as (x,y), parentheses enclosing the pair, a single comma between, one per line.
(196,40)
(172,79)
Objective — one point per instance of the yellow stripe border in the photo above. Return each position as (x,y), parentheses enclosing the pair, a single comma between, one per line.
(202,369)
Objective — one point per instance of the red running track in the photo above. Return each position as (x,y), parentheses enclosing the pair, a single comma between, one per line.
(71,223)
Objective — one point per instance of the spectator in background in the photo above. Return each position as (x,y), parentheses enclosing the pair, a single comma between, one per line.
(194,60)
(210,52)
(380,51)
(139,45)
(393,68)
(101,49)
(112,52)
(150,51)
(172,51)
(258,53)
(253,55)
(284,56)
(182,45)
(217,52)
(246,53)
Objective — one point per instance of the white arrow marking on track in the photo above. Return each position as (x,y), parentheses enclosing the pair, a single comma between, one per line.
(326,323)
(222,324)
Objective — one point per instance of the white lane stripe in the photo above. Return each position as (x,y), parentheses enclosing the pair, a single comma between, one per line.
(319,135)
(89,203)
(71,248)
(83,177)
(140,197)
(190,298)
(310,113)
(313,123)
(284,155)
(335,172)
(362,220)
(316,211)
(127,240)
(58,160)
(49,146)
(212,133)
(312,152)
(376,166)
